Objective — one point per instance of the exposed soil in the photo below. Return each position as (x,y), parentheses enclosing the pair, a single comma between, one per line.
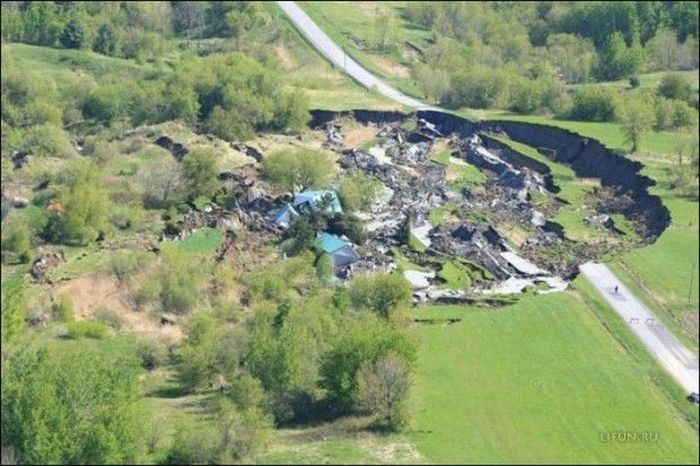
(93,292)
(284,57)
(358,134)
(392,69)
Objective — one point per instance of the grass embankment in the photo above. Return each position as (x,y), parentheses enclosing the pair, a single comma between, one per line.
(545,381)
(355,27)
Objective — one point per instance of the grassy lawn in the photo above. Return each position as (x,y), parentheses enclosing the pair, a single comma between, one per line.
(206,240)
(542,381)
(610,134)
(343,441)
(649,80)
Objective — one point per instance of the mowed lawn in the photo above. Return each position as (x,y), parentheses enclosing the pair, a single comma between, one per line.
(539,382)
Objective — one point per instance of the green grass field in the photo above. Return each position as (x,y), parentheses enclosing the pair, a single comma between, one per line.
(539,382)
(206,240)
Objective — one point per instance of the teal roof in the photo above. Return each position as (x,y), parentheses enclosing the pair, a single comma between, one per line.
(330,243)
(285,214)
(314,196)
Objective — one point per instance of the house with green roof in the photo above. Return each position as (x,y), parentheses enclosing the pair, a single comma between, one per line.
(341,252)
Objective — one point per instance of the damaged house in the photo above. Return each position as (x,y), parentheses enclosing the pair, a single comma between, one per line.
(341,252)
(285,216)
(324,200)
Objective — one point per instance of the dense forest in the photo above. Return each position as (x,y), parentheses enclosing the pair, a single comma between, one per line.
(521,55)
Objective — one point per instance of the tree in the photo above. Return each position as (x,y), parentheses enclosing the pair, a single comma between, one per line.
(403,235)
(383,388)
(160,178)
(358,191)
(675,86)
(636,118)
(574,56)
(381,293)
(13,309)
(365,340)
(383,24)
(73,35)
(243,431)
(188,17)
(669,54)
(614,60)
(593,103)
(85,204)
(200,169)
(350,226)
(76,406)
(107,40)
(298,169)
(16,239)
(210,352)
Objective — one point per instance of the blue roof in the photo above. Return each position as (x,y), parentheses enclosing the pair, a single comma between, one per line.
(330,243)
(285,214)
(315,196)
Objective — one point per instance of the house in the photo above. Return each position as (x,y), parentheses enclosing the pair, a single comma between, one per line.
(285,216)
(341,253)
(313,200)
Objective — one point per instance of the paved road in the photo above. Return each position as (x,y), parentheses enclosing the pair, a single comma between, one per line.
(673,356)
(335,54)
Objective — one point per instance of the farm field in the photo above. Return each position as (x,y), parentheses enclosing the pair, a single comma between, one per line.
(542,381)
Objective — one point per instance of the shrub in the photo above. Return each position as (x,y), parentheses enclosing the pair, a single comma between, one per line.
(683,115)
(350,226)
(86,328)
(634,81)
(383,389)
(64,309)
(109,317)
(593,103)
(675,86)
(153,353)
(124,264)
(16,240)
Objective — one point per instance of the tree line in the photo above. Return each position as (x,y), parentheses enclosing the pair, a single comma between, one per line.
(520,55)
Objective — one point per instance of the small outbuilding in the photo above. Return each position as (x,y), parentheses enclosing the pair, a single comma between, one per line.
(285,216)
(340,251)
(321,199)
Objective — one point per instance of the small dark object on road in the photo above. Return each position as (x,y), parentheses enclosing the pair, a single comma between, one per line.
(617,289)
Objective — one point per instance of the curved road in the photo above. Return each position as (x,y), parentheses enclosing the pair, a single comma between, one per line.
(673,356)
(339,58)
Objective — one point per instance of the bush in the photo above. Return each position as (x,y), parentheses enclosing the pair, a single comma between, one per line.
(194,445)
(683,115)
(124,264)
(109,317)
(86,328)
(382,390)
(380,293)
(350,226)
(634,81)
(593,103)
(675,86)
(16,240)
(64,309)
(153,353)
